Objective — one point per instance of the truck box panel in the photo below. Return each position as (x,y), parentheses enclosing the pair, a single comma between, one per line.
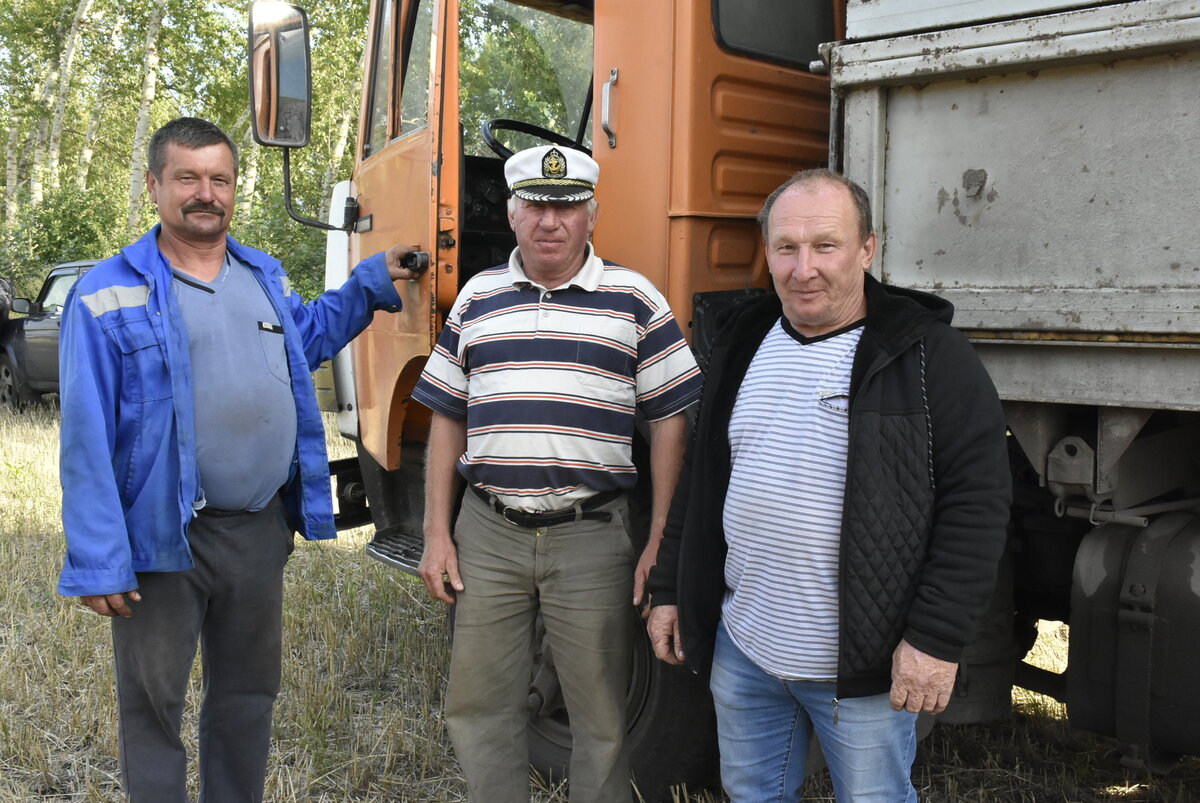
(1012,196)
(1038,174)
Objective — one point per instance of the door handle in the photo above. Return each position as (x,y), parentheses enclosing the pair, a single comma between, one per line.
(605,108)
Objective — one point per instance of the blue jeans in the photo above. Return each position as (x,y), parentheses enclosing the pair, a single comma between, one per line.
(764,725)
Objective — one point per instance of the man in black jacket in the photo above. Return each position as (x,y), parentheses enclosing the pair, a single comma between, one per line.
(841,514)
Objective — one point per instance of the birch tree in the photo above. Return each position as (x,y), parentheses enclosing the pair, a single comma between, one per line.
(75,190)
(37,172)
(141,135)
(11,176)
(66,65)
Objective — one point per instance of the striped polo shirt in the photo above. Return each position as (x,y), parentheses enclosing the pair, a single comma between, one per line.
(548,381)
(783,511)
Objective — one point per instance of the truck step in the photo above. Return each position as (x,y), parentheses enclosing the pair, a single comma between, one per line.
(399,547)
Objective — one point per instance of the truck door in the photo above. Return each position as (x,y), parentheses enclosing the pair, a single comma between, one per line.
(702,109)
(436,71)
(398,185)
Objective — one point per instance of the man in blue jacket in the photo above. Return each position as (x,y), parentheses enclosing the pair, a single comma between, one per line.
(192,449)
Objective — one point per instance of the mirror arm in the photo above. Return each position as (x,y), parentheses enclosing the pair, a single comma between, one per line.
(287,200)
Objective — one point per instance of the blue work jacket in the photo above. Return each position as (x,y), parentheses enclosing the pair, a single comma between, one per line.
(130,479)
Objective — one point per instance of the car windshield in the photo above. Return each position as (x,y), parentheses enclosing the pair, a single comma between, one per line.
(522,64)
(56,291)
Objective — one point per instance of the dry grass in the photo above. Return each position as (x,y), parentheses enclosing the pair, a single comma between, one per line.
(359,717)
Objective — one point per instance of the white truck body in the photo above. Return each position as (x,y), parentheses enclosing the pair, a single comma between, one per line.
(1038,171)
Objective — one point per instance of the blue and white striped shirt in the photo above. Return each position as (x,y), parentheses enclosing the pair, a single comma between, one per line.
(788,438)
(548,380)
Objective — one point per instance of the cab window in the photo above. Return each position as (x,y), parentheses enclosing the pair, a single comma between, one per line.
(524,64)
(379,109)
(414,90)
(781,31)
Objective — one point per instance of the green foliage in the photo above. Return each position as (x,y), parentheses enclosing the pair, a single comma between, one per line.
(301,249)
(85,196)
(69,224)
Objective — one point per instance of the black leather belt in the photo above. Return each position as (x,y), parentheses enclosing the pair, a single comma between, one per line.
(523,518)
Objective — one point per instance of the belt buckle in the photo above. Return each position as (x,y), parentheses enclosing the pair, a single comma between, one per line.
(504,515)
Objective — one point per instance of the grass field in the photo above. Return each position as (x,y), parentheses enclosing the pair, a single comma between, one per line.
(364,671)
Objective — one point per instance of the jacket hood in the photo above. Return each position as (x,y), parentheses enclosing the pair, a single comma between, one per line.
(938,308)
(897,315)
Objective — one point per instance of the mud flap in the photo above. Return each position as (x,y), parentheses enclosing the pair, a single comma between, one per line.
(1135,607)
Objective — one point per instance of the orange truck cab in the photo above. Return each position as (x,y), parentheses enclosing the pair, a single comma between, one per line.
(694,111)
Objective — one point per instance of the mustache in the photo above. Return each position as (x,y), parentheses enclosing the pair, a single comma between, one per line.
(203,207)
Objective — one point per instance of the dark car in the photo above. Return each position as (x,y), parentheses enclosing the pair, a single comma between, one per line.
(29,344)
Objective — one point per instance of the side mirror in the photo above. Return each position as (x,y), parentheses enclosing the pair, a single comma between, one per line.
(22,305)
(280,74)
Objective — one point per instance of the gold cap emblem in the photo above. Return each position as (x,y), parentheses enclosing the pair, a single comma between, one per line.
(554,164)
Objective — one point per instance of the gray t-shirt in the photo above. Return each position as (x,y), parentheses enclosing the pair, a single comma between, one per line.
(245,411)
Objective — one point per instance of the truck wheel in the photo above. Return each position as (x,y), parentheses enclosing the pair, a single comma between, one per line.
(396,498)
(672,727)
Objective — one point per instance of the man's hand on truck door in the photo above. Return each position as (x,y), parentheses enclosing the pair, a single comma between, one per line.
(439,568)
(401,264)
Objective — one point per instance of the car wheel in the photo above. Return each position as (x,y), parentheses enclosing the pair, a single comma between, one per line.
(11,395)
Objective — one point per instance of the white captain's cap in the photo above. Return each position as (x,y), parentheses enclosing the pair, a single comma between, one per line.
(552,174)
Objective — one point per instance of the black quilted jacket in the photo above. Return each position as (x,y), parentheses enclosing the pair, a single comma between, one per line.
(924,518)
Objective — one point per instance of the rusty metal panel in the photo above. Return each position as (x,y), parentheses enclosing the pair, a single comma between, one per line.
(871,18)
(1039,174)
(1059,199)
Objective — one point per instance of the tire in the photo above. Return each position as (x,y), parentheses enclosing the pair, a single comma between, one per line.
(672,729)
(12,390)
(396,498)
(671,733)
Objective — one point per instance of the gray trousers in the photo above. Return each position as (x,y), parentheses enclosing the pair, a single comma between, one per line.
(580,577)
(232,603)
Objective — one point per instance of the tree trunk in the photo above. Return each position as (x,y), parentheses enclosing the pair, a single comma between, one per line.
(335,162)
(249,182)
(343,140)
(89,146)
(12,177)
(141,135)
(37,168)
(64,90)
(51,79)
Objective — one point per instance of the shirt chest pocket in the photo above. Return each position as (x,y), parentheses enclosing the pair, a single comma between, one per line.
(834,401)
(270,338)
(144,375)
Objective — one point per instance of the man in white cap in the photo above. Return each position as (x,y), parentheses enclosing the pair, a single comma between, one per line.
(534,385)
